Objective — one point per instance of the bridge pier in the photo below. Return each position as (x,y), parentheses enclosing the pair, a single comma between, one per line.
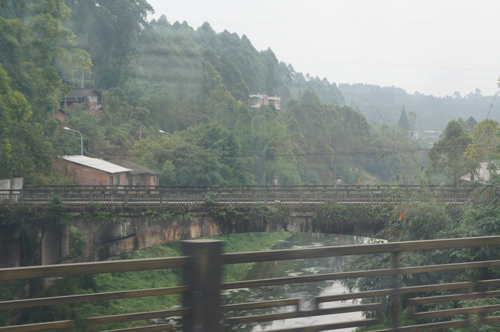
(10,248)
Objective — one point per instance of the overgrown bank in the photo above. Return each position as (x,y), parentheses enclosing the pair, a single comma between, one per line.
(422,217)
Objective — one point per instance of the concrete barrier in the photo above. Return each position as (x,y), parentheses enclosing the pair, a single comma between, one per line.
(10,189)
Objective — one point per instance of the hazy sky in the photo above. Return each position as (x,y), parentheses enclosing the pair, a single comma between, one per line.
(434,47)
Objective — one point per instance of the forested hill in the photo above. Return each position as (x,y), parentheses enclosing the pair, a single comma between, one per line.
(161,77)
(161,51)
(433,113)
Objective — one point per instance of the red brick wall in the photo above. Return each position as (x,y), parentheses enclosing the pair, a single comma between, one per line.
(91,176)
(60,115)
(86,106)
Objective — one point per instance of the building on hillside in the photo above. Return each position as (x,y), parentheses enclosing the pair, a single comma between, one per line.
(97,172)
(264,100)
(93,171)
(482,174)
(414,134)
(88,99)
(138,175)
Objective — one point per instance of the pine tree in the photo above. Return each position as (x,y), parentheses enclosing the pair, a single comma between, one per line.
(403,120)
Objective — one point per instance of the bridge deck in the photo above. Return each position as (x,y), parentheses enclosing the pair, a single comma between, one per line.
(232,195)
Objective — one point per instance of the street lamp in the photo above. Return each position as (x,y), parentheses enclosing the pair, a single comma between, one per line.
(164,132)
(81,136)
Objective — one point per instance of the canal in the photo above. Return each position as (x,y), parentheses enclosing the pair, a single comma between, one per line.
(305,291)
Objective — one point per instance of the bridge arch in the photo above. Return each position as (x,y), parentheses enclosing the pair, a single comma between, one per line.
(108,231)
(142,228)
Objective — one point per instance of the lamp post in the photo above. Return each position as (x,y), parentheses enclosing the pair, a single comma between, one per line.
(164,132)
(81,136)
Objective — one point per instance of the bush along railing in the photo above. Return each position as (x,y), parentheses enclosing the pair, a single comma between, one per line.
(231,195)
(201,288)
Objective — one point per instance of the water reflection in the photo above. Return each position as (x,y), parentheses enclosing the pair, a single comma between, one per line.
(307,292)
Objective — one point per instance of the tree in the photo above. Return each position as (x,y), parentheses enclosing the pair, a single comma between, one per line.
(201,155)
(403,120)
(14,109)
(447,155)
(31,34)
(463,123)
(76,60)
(413,118)
(471,123)
(485,139)
(109,33)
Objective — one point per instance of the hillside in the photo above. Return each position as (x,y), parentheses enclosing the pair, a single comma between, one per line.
(192,83)
(433,113)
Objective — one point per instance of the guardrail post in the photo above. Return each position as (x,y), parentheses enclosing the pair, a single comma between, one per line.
(395,285)
(203,276)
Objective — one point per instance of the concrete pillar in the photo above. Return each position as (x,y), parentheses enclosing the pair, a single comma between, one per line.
(55,244)
(10,248)
(4,189)
(16,184)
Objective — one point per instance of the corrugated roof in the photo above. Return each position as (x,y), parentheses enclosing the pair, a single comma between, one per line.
(99,164)
(135,169)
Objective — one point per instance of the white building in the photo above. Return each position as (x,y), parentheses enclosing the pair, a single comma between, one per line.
(264,100)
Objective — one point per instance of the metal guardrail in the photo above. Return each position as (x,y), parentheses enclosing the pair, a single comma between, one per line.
(229,195)
(202,265)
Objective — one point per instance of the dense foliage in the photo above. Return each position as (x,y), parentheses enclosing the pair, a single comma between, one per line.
(447,155)
(192,83)
(31,35)
(423,218)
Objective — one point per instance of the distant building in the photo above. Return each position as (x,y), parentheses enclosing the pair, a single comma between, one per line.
(482,175)
(413,134)
(138,175)
(94,172)
(88,99)
(264,100)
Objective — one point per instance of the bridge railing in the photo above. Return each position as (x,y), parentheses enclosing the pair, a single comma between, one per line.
(201,288)
(230,194)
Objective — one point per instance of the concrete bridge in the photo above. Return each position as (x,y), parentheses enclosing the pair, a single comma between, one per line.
(110,231)
(112,220)
(39,234)
(121,220)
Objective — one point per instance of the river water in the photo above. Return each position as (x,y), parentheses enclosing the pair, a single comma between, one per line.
(305,291)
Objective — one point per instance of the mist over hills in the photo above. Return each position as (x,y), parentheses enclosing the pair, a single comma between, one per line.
(433,113)
(159,77)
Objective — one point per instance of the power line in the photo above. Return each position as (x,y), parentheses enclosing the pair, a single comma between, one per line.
(492,102)
(376,110)
(256,153)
